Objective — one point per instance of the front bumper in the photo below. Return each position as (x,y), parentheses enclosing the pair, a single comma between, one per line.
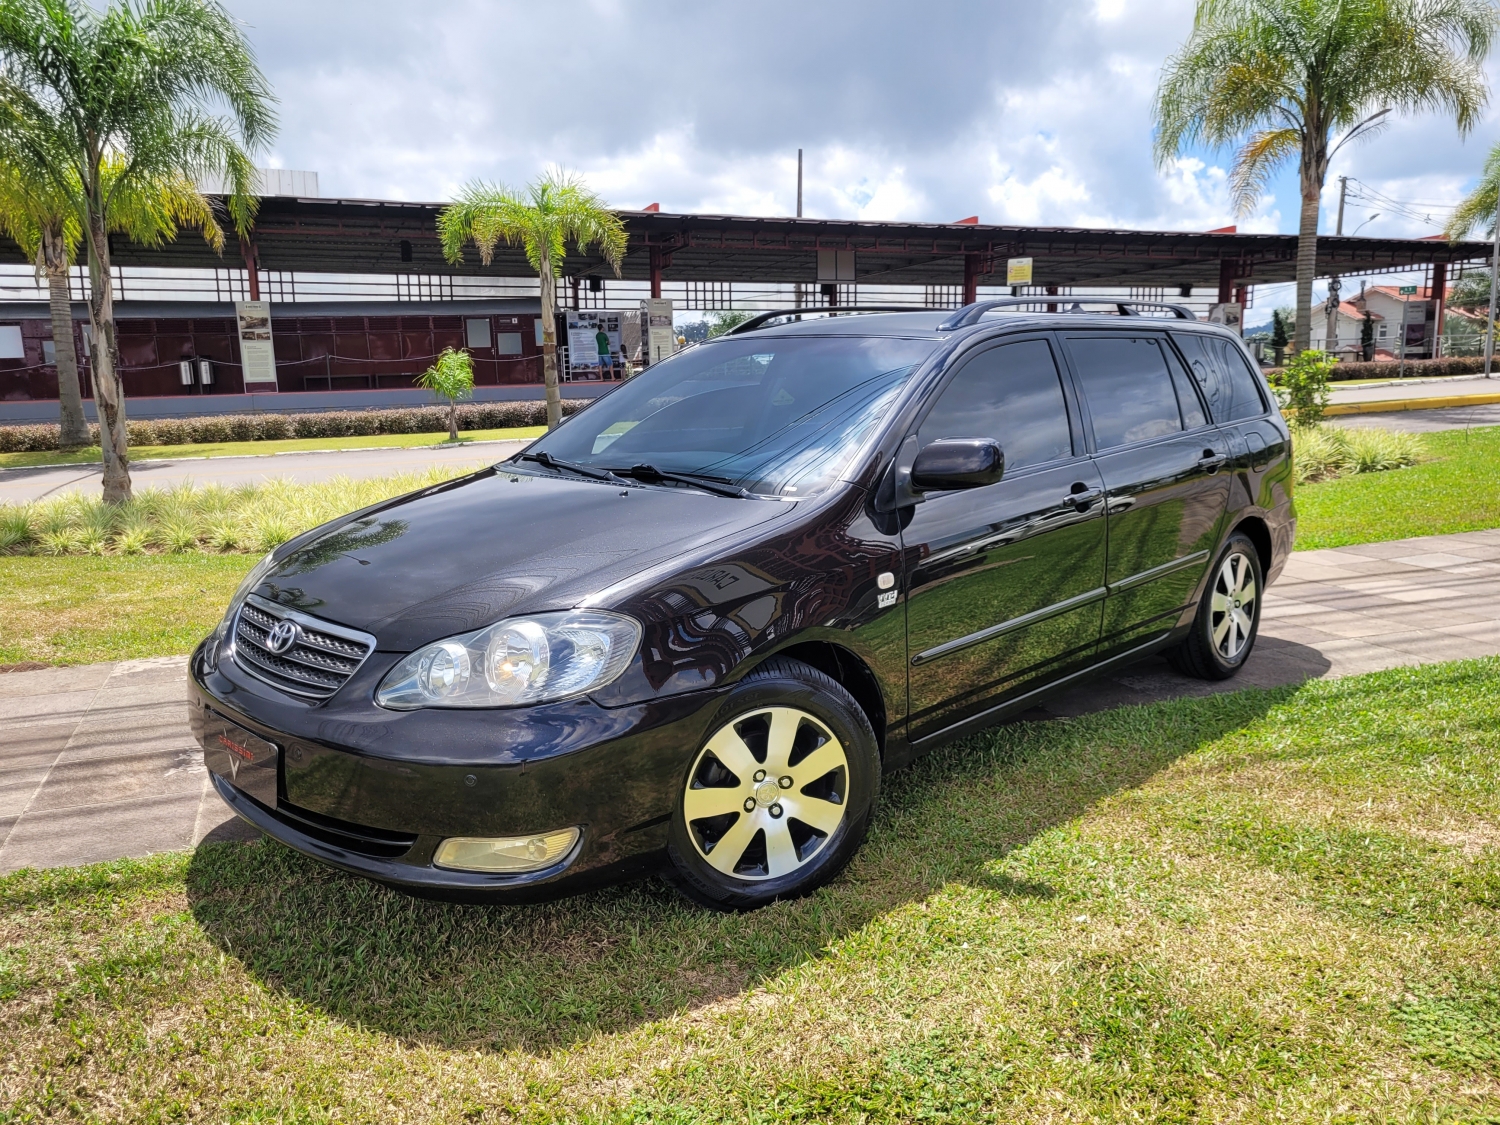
(375,792)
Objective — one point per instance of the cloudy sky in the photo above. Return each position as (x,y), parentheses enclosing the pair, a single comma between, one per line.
(1019,112)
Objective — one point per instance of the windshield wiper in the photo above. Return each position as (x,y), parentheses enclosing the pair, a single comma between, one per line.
(547,461)
(650,473)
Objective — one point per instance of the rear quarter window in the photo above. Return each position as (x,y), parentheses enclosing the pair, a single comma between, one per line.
(1223,373)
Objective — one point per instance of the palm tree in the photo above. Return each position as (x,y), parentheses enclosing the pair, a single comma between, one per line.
(1285,78)
(1477,209)
(41,222)
(552,212)
(141,88)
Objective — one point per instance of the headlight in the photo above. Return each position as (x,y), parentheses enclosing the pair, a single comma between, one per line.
(516,662)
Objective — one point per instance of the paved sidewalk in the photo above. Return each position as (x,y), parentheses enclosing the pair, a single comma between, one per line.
(17,486)
(1415,388)
(1425,421)
(96,762)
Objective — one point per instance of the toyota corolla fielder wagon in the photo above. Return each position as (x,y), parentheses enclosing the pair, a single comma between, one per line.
(701,618)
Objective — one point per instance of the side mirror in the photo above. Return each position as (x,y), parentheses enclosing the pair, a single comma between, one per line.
(954,463)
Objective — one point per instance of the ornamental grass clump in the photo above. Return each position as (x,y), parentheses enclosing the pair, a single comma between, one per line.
(210,519)
(1326,452)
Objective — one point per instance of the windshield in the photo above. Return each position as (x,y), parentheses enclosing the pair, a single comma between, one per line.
(778,416)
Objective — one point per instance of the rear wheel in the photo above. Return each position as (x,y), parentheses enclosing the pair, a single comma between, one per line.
(778,798)
(1228,618)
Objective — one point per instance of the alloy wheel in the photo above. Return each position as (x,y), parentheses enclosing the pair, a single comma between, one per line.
(1233,606)
(766,793)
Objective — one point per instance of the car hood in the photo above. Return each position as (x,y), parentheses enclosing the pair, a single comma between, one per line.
(461,556)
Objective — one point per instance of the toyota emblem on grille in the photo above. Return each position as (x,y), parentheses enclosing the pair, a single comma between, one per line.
(283,635)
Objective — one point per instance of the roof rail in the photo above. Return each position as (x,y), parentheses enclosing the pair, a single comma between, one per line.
(760,320)
(970,314)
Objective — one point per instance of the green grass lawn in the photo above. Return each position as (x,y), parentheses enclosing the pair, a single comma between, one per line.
(262,448)
(1458,489)
(1259,907)
(80,610)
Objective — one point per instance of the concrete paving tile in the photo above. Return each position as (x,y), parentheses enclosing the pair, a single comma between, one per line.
(23,710)
(102,781)
(49,681)
(1427,594)
(38,745)
(1437,645)
(1276,609)
(95,833)
(1434,560)
(18,788)
(147,692)
(149,734)
(157,670)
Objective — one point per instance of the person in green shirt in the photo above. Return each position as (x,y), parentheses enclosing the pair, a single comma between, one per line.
(602,341)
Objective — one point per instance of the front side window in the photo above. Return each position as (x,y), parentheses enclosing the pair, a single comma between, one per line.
(1012,394)
(775,415)
(1128,388)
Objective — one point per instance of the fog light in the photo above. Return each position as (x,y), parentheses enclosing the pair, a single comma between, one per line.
(508,854)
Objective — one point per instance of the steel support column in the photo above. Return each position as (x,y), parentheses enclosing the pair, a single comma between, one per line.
(1228,269)
(656,266)
(252,266)
(1439,304)
(971,278)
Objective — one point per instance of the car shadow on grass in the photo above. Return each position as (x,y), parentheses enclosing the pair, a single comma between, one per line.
(543,976)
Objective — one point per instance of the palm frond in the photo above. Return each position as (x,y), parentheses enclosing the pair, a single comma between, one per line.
(1257,162)
(1478,208)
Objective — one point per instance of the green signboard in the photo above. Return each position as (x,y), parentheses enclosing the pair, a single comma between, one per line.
(1408,290)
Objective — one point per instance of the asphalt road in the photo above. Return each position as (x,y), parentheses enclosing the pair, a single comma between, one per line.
(1425,421)
(17,486)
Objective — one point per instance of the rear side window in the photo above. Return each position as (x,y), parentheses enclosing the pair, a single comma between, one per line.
(1012,394)
(1128,387)
(1224,374)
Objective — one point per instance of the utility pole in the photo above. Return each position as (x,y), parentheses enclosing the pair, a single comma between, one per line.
(799,183)
(1343,192)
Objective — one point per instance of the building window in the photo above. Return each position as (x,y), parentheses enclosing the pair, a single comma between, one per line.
(49,352)
(507,343)
(11,344)
(477,332)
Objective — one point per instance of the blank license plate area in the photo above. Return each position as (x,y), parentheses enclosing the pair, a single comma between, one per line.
(245,760)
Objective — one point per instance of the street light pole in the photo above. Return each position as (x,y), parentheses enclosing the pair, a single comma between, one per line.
(1343,191)
(1489,328)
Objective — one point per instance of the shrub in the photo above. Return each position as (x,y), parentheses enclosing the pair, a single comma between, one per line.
(276,427)
(1302,386)
(1390,368)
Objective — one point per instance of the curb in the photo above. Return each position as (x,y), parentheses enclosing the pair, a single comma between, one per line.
(275,453)
(1388,405)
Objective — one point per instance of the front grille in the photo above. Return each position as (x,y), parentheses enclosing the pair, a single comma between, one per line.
(319,661)
(375,842)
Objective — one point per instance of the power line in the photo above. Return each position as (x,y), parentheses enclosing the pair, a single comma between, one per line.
(1430,214)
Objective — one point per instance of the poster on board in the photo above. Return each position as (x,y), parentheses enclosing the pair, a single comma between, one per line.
(594,342)
(661,336)
(257,353)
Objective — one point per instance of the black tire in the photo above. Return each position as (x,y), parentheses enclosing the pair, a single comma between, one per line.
(1200,653)
(817,707)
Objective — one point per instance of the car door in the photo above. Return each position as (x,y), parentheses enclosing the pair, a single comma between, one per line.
(1004,582)
(1239,405)
(1161,460)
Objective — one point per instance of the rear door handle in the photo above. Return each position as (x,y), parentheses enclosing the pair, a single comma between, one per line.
(1212,461)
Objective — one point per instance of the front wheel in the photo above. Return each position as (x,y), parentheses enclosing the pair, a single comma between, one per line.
(1228,617)
(778,798)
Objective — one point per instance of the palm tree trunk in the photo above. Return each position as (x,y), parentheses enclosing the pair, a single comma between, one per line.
(109,390)
(1307,257)
(74,427)
(549,343)
(452,419)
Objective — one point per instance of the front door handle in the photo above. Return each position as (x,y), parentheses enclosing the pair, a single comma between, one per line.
(1082,497)
(1212,461)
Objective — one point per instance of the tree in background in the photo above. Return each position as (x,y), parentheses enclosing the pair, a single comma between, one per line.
(452,378)
(1301,387)
(543,219)
(1279,337)
(1367,337)
(137,88)
(721,322)
(43,224)
(1302,78)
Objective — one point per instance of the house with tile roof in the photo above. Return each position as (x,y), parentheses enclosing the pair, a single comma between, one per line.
(1395,315)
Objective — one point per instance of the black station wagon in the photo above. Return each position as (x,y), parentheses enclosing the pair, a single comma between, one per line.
(693,626)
